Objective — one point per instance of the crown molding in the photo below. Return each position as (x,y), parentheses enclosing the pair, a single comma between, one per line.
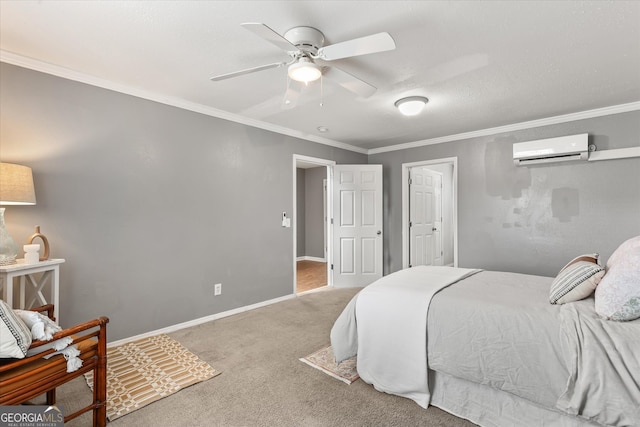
(55,70)
(36,65)
(598,112)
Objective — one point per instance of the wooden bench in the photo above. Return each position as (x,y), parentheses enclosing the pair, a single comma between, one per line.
(24,379)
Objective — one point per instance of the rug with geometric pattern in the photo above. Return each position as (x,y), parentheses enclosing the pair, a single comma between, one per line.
(324,360)
(143,371)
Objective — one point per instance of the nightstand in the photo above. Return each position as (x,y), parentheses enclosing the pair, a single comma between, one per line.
(28,274)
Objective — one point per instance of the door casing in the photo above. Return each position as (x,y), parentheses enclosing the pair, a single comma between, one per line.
(405,205)
(329,164)
(298,159)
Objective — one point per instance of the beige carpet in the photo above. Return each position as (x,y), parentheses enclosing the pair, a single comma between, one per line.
(262,381)
(143,371)
(325,361)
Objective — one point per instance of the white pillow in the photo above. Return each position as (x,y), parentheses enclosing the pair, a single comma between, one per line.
(42,328)
(618,294)
(577,280)
(15,337)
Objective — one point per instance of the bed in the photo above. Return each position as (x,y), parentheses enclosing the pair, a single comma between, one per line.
(490,347)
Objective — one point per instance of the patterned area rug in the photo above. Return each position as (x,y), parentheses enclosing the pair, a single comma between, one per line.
(324,360)
(143,371)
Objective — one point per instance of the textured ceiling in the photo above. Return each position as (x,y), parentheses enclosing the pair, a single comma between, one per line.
(481,64)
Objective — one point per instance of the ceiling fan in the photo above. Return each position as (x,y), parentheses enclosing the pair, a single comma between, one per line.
(305,47)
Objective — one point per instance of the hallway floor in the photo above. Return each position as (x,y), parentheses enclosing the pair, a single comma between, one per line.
(310,275)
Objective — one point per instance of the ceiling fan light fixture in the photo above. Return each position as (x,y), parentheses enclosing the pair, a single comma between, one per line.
(304,71)
(411,105)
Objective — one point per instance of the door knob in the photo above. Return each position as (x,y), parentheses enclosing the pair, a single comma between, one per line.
(434,229)
(379,232)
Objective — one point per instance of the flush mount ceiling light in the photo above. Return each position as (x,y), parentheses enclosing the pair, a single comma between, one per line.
(304,71)
(411,105)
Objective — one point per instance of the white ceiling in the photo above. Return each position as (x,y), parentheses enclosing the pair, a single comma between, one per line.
(481,64)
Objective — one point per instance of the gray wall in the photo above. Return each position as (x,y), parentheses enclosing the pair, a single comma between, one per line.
(529,219)
(314,214)
(150,204)
(310,213)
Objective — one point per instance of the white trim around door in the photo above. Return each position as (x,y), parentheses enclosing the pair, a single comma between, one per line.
(405,205)
(306,161)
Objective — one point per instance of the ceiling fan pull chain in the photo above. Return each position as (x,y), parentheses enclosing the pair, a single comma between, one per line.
(321,91)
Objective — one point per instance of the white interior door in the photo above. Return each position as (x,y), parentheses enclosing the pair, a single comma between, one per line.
(357,224)
(425,217)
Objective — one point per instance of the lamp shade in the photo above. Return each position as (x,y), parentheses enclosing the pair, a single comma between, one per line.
(16,185)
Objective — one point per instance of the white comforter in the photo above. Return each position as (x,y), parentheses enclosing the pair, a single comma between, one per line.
(386,324)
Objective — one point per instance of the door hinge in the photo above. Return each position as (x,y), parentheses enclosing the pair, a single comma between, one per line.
(332,266)
(410,181)
(331,221)
(410,224)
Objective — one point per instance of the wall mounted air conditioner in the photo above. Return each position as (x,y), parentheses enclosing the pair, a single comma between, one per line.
(564,148)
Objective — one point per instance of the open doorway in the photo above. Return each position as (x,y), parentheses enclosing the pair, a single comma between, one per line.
(352,221)
(311,231)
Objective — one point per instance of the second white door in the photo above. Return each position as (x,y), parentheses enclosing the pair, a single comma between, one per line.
(425,217)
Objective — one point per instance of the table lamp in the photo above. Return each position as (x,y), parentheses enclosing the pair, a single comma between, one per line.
(16,188)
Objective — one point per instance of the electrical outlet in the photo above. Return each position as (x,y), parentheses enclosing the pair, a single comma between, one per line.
(217,289)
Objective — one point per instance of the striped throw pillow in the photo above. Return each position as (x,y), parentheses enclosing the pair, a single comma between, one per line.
(575,282)
(15,336)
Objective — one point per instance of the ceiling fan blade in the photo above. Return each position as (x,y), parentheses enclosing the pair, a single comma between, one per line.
(271,36)
(350,82)
(247,71)
(364,45)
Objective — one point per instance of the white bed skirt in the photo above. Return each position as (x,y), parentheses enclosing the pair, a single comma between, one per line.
(487,406)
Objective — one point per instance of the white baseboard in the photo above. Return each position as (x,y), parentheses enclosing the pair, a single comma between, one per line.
(320,289)
(199,321)
(310,258)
